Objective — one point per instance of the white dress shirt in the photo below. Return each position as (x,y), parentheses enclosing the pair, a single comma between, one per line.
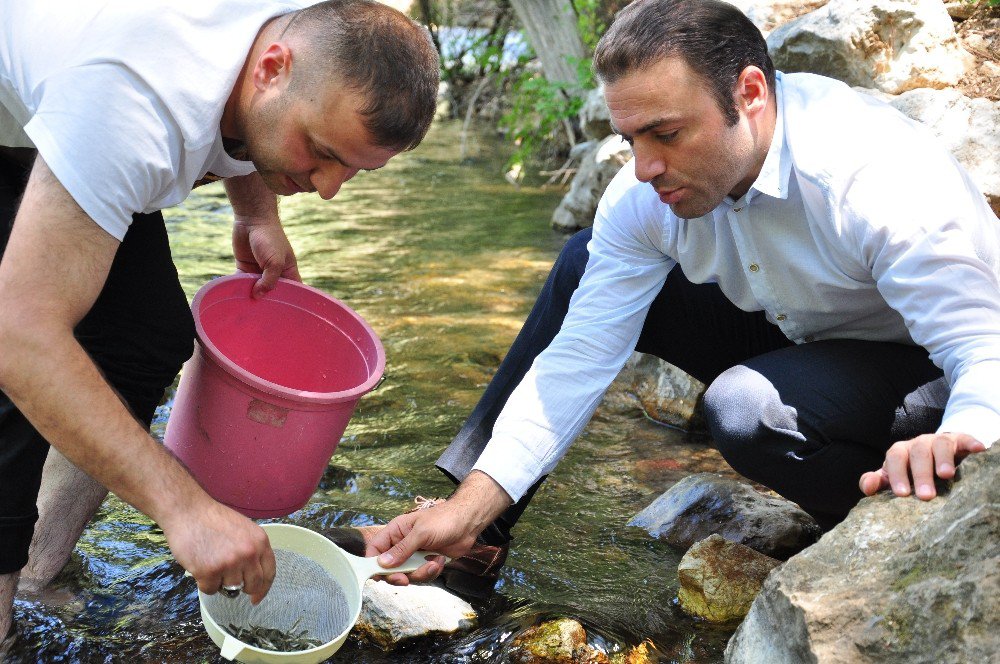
(859,226)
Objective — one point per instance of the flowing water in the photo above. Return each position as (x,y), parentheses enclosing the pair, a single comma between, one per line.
(444,259)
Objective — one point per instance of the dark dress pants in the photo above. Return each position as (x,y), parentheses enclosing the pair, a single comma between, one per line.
(139,332)
(805,420)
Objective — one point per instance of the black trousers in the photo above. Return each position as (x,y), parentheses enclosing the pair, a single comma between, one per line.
(805,420)
(139,332)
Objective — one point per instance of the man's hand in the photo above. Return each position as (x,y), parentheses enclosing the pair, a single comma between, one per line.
(450,528)
(263,249)
(920,458)
(218,546)
(259,242)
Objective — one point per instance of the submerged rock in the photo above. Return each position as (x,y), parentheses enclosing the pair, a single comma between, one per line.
(705,503)
(560,641)
(391,614)
(644,653)
(719,579)
(899,581)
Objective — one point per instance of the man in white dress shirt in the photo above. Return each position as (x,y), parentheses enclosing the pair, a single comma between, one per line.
(109,112)
(817,259)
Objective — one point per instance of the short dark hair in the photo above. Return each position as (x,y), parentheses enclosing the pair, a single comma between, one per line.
(379,52)
(714,38)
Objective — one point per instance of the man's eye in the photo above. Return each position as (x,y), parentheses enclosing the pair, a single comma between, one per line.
(324,155)
(667,137)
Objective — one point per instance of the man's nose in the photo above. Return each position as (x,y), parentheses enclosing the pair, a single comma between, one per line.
(648,165)
(328,179)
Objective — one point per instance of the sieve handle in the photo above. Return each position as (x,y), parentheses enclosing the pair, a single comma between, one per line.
(231,647)
(366,568)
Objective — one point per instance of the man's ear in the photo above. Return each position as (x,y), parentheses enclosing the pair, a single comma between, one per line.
(273,66)
(752,92)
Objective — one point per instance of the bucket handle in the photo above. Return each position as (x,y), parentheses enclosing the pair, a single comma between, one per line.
(231,648)
(380,381)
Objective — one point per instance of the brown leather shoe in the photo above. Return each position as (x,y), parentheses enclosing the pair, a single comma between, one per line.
(476,573)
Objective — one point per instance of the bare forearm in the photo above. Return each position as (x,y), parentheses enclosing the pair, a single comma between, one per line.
(44,370)
(481,500)
(59,390)
(259,241)
(55,265)
(251,199)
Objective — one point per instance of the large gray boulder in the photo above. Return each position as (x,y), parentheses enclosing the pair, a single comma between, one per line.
(704,504)
(890,45)
(899,581)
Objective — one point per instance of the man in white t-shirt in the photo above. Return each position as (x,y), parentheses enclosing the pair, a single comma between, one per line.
(817,259)
(109,112)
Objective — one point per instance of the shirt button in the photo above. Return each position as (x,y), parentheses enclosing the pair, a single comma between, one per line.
(754,267)
(780,317)
(737,209)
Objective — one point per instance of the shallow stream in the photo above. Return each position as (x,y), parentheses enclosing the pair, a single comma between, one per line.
(444,259)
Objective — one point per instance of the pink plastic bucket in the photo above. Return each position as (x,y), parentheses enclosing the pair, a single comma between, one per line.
(270,388)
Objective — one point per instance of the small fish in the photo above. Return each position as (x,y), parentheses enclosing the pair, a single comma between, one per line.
(276,640)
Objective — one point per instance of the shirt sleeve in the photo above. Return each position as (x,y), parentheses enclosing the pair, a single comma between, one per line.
(566,382)
(107,139)
(933,246)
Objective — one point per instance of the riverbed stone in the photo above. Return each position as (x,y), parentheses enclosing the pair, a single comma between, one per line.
(704,504)
(899,581)
(667,394)
(392,614)
(559,641)
(598,166)
(644,653)
(719,579)
(890,45)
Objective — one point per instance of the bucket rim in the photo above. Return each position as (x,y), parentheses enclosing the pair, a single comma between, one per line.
(272,388)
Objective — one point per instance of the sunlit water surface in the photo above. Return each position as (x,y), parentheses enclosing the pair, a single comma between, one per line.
(444,259)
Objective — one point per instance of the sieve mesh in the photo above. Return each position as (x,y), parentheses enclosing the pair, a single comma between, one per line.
(302,591)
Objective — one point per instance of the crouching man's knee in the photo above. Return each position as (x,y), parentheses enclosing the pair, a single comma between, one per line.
(748,421)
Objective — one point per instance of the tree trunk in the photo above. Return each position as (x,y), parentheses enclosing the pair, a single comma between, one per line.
(551,27)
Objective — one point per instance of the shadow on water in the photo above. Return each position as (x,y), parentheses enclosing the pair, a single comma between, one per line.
(444,260)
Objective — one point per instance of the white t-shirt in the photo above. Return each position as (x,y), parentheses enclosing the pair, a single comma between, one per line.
(123,98)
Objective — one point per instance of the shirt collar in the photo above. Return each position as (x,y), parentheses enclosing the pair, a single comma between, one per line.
(777,168)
